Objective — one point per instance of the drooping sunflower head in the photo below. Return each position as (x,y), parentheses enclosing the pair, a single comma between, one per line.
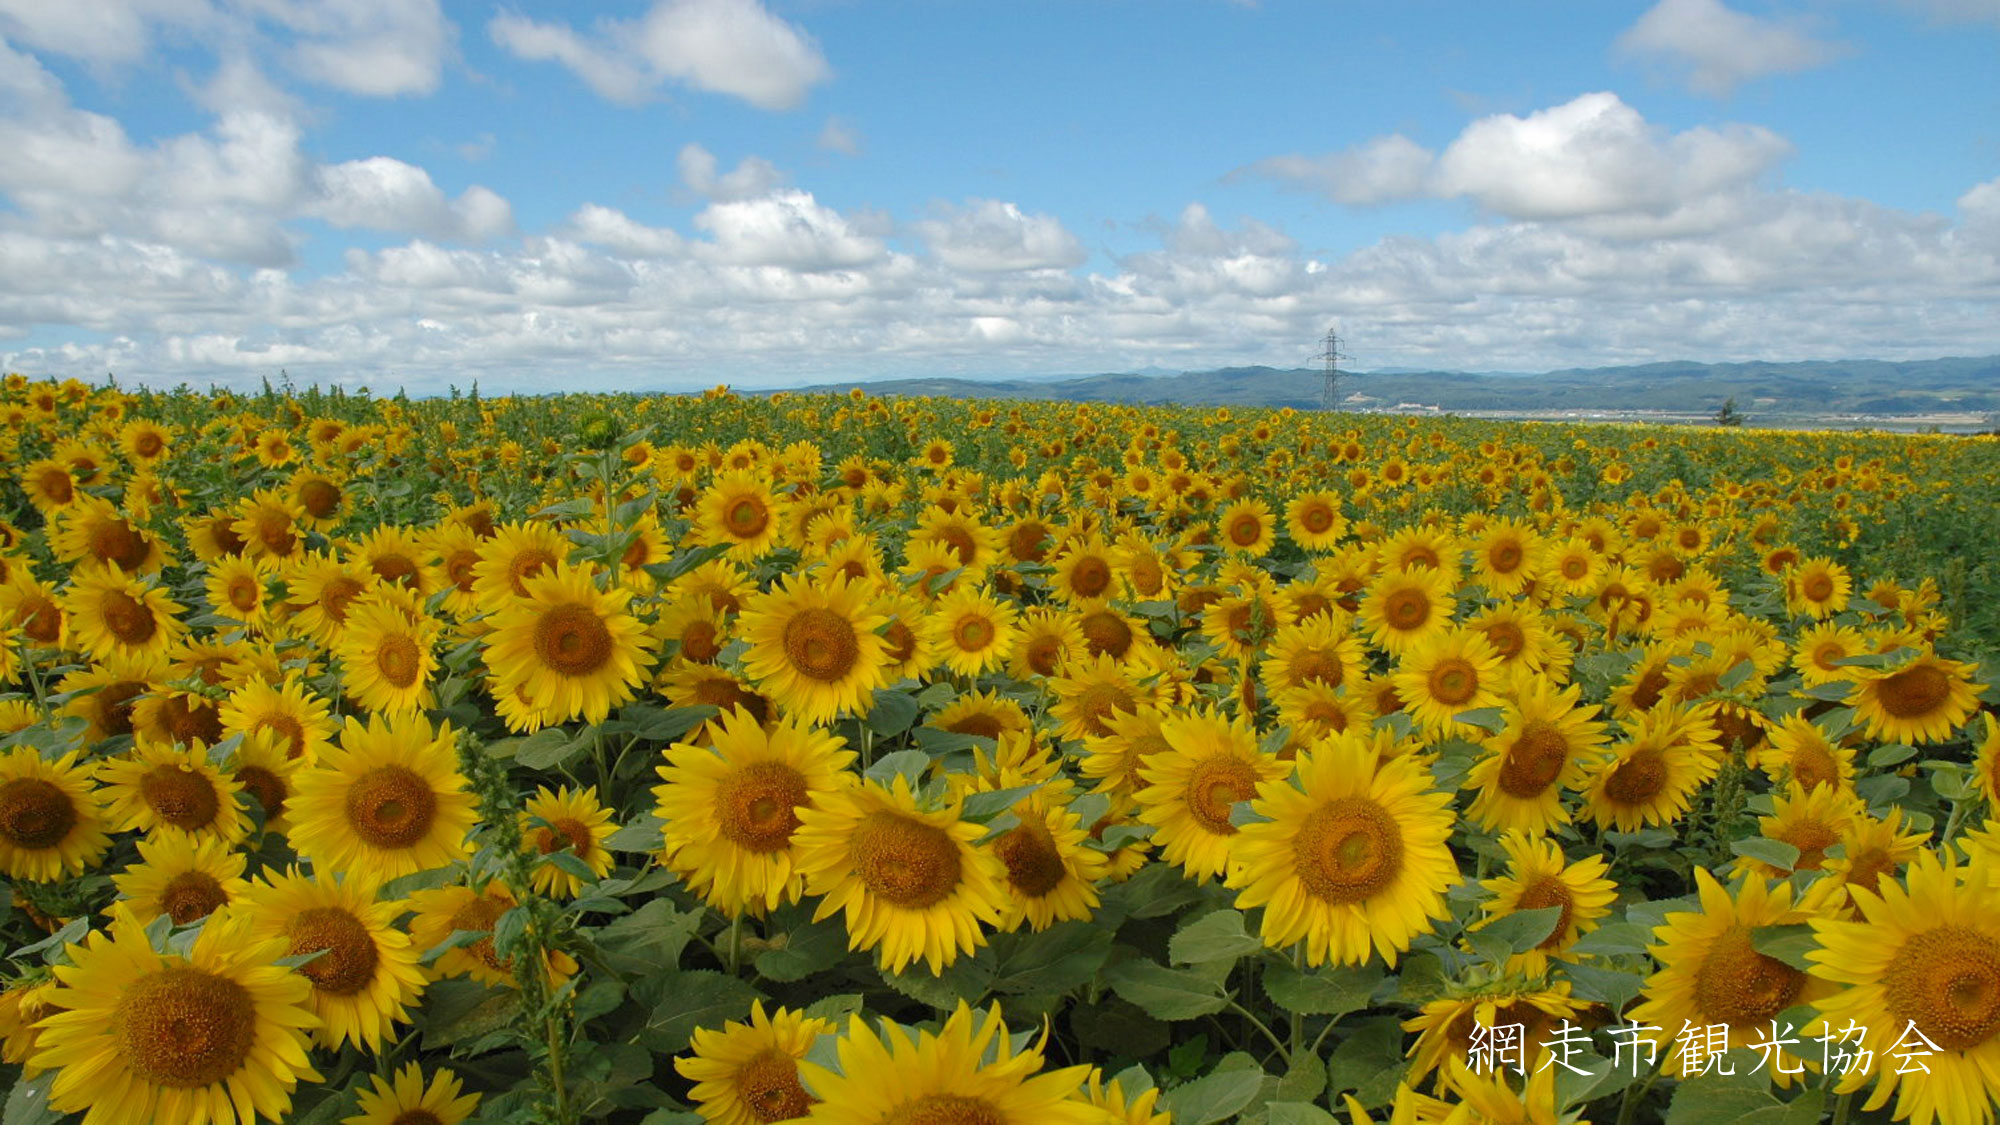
(747,1073)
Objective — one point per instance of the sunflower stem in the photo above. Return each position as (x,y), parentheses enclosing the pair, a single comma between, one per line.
(1841,1106)
(1260,1025)
(735,944)
(1628,1106)
(1298,1020)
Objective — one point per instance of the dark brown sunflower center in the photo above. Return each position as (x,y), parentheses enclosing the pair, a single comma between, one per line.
(1099,702)
(113,705)
(460,566)
(479,916)
(973,633)
(1534,761)
(1043,654)
(1505,557)
(418,1116)
(320,498)
(904,861)
(525,565)
(571,640)
(34,813)
(290,732)
(1034,866)
(821,644)
(1453,681)
(398,660)
(985,724)
(1406,609)
(187,720)
(244,593)
(348,965)
(1348,850)
(127,618)
(1316,518)
(1817,587)
(1506,638)
(1639,778)
(191,896)
(1245,530)
(117,541)
(1915,692)
(180,796)
(1090,577)
(564,832)
(757,805)
(945,1109)
(700,643)
(183,1028)
(1738,986)
(1317,665)
(391,807)
(1214,786)
(1947,980)
(746,518)
(768,1086)
(1543,893)
(266,787)
(1575,567)
(1028,541)
(40,620)
(1812,838)
(1108,633)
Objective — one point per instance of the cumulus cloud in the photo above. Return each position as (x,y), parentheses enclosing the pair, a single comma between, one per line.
(1591,158)
(789,229)
(753,175)
(733,47)
(994,236)
(1718,48)
(377,48)
(1383,170)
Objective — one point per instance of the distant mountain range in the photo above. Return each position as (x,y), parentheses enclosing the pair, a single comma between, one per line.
(1775,392)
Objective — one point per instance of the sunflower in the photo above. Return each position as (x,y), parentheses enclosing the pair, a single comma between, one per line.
(1423,548)
(1547,745)
(1504,557)
(368,978)
(1445,1026)
(1243,624)
(513,554)
(705,685)
(1147,570)
(1247,527)
(1051,875)
(568,649)
(1314,710)
(1044,640)
(215,1034)
(1711,972)
(987,714)
(1872,851)
(1313,520)
(387,802)
(967,1071)
(452,555)
(814,647)
(1572,566)
(1650,778)
(1317,649)
(320,500)
(1525,640)
(697,630)
(297,721)
(1538,877)
(1138,1108)
(1404,607)
(49,485)
(163,790)
(1114,758)
(1817,588)
(408,1101)
(1819,650)
(739,509)
(51,823)
(574,822)
(909,880)
(970,631)
(748,1073)
(396,556)
(1212,763)
(267,523)
(730,810)
(1085,570)
(1451,672)
(319,593)
(172,715)
(440,912)
(32,611)
(268,774)
(94,532)
(1923,700)
(1354,854)
(975,546)
(387,658)
(238,588)
(1798,750)
(185,878)
(113,616)
(1811,820)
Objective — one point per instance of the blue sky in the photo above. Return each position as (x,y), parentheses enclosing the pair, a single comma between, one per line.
(666,194)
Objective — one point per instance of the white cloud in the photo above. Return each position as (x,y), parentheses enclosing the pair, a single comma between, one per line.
(993,236)
(753,175)
(1383,170)
(377,48)
(1596,156)
(1720,48)
(619,233)
(733,47)
(383,193)
(787,228)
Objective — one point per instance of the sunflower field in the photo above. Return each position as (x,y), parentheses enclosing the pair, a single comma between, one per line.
(669,760)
